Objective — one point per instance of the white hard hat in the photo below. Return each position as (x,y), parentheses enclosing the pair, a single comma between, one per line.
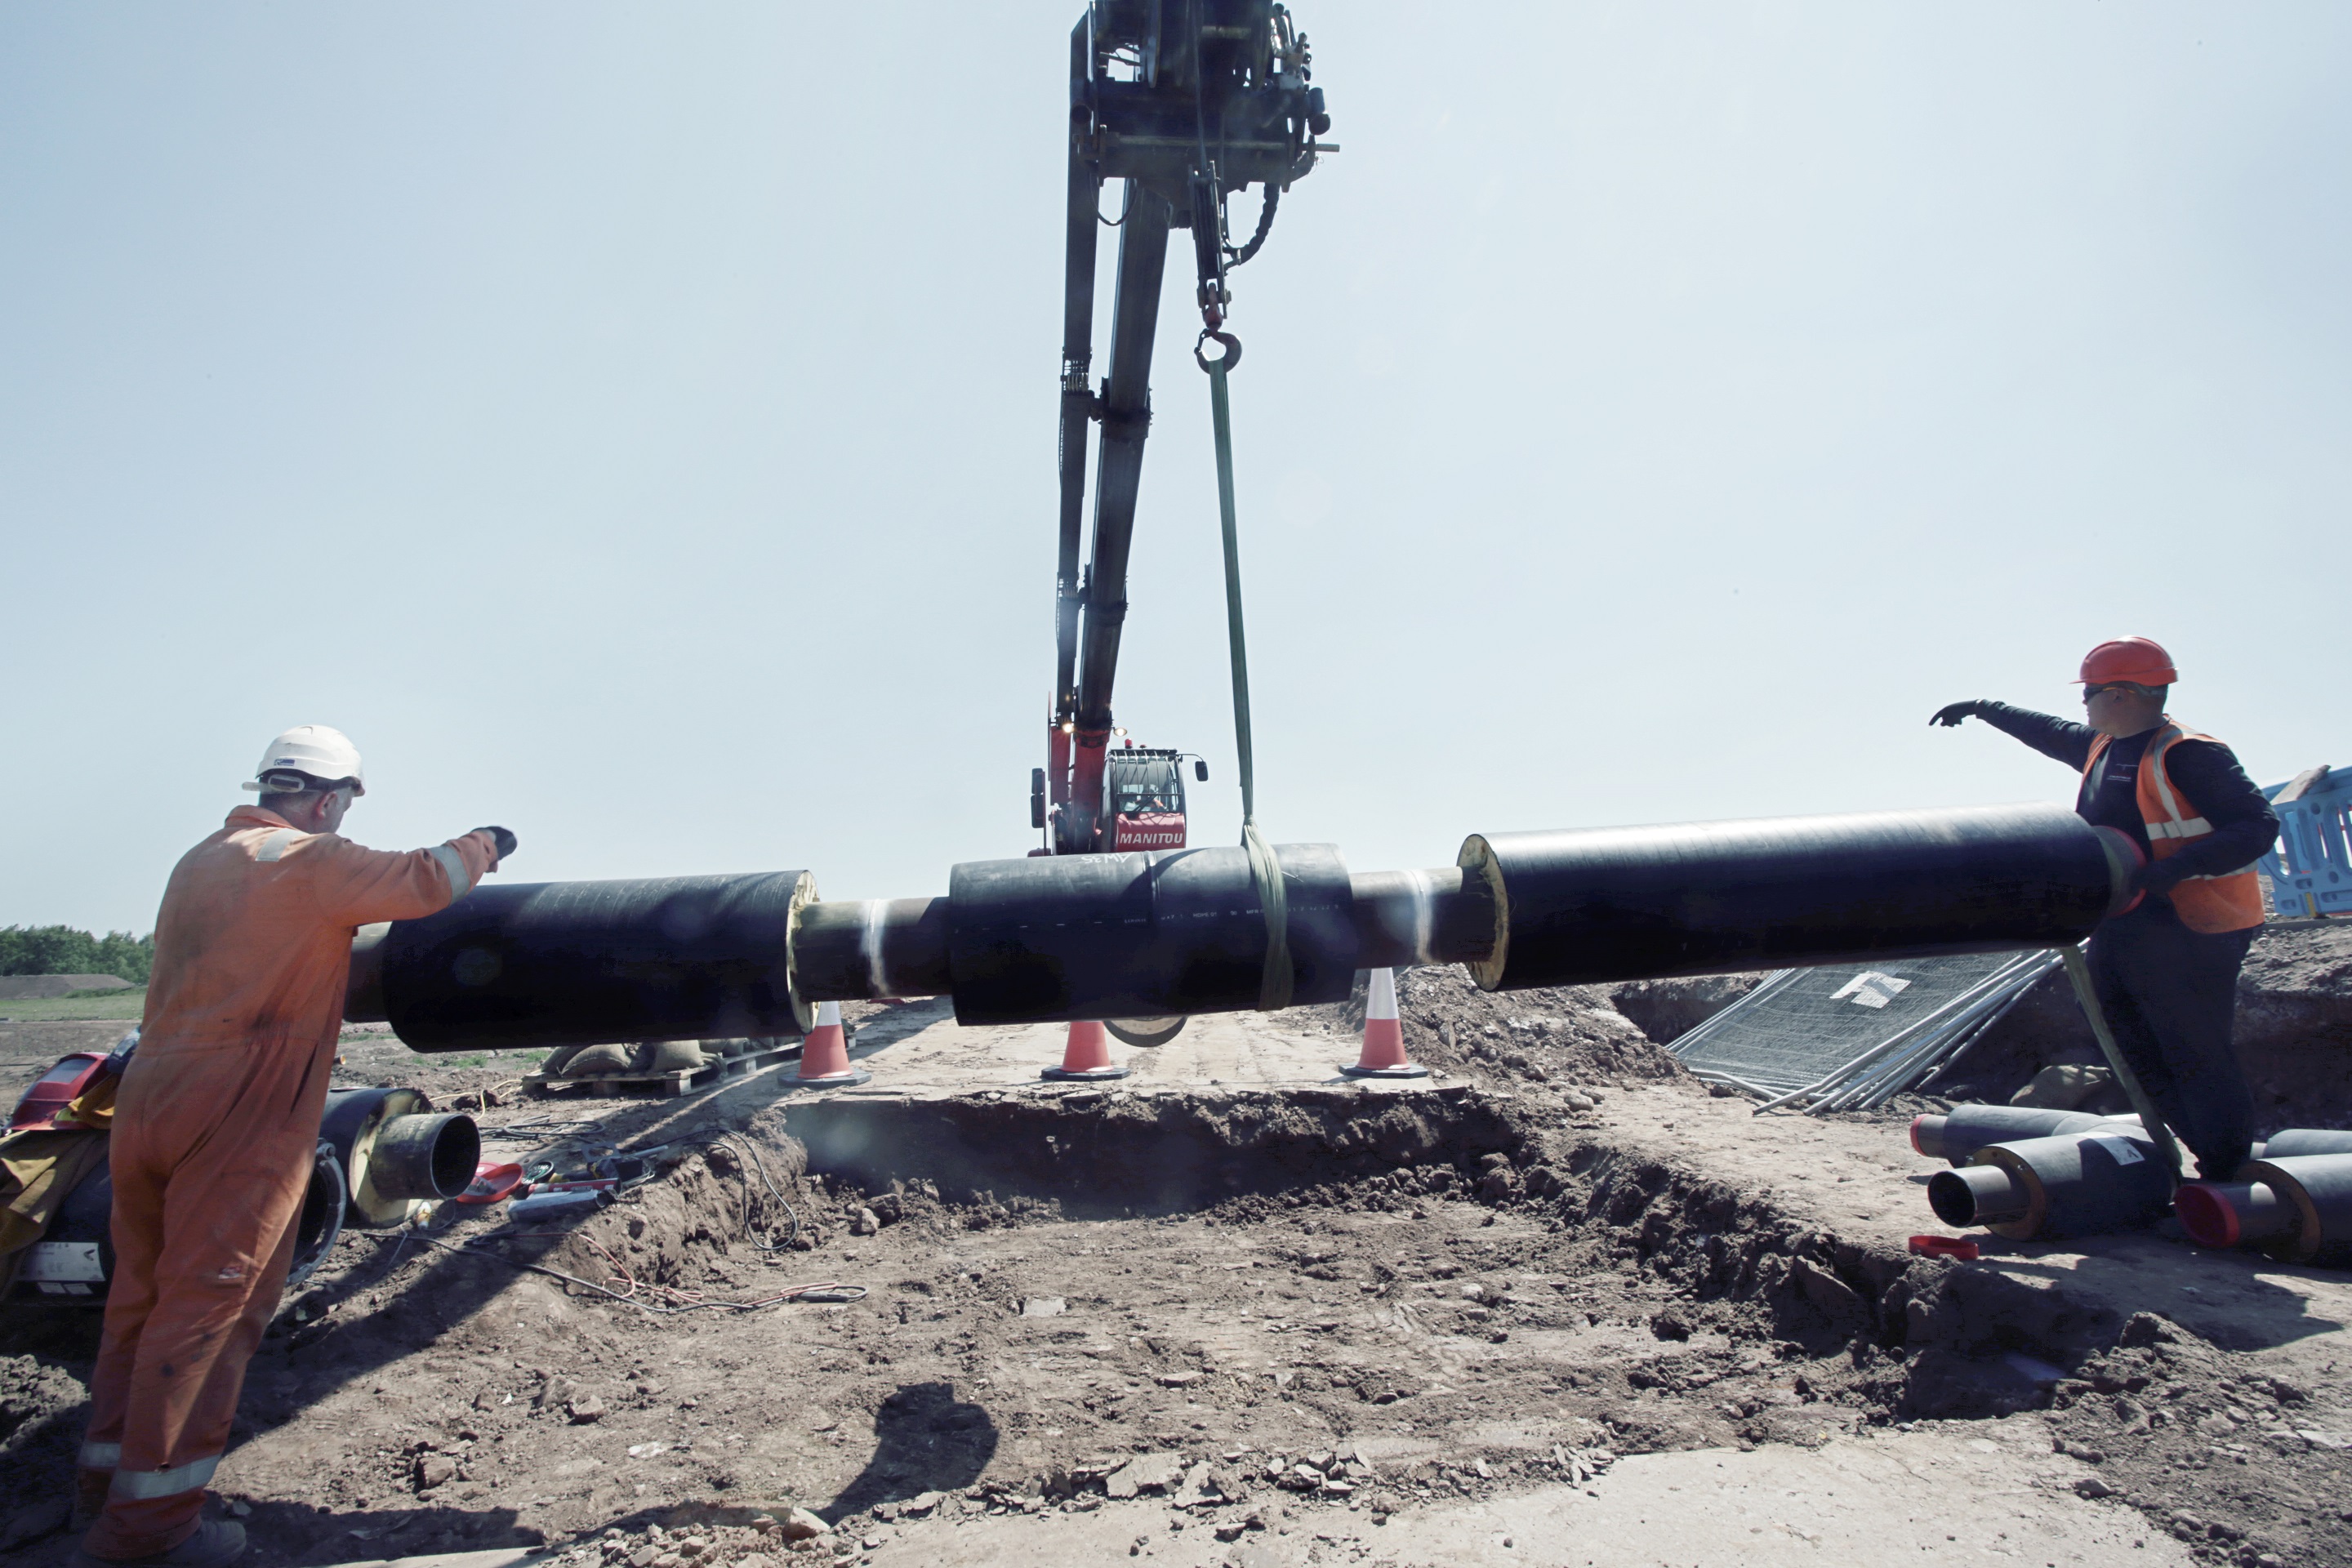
(324,754)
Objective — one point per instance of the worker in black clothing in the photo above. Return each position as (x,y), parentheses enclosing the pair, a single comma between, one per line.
(2166,969)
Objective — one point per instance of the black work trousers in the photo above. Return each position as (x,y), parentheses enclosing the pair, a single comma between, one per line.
(2170,996)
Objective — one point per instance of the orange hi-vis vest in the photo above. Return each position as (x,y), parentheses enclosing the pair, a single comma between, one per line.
(2230,900)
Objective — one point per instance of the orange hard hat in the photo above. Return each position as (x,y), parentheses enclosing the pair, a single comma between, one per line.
(2140,659)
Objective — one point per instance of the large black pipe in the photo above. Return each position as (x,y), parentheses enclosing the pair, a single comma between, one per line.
(1141,935)
(548,963)
(1637,903)
(1054,938)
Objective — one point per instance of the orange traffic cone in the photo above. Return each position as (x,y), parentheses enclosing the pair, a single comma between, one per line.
(824,1055)
(1383,1035)
(1087,1055)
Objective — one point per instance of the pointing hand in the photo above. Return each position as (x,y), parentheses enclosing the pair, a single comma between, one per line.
(1950,715)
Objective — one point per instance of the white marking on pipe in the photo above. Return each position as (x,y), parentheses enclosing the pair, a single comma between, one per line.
(1424,915)
(870,943)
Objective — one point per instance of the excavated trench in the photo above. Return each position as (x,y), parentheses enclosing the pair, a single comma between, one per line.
(1923,1337)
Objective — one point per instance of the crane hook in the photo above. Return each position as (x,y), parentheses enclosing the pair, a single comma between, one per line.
(1230,358)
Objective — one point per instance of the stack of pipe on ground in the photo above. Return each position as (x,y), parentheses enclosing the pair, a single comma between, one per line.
(2029,1174)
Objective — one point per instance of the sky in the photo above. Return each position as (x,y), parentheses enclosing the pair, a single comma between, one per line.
(635,425)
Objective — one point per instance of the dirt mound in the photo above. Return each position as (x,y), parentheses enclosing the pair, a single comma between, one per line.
(1567,1035)
(1571,1035)
(1665,1010)
(29,987)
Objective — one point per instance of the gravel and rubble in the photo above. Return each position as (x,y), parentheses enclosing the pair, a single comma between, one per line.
(1235,1324)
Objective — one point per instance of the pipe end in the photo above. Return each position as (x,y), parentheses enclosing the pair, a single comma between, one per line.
(1977,1195)
(2207,1213)
(1949,1196)
(1927,1136)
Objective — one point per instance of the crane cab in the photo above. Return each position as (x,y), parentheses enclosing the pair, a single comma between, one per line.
(1143,788)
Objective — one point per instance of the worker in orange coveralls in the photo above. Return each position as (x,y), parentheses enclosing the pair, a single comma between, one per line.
(216,1125)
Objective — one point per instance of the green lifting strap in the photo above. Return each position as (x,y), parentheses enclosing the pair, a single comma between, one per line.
(1265,868)
(2151,1120)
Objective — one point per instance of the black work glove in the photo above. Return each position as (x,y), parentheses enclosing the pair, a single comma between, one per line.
(2154,880)
(503,839)
(1950,714)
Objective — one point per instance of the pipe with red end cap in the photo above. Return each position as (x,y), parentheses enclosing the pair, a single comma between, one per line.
(2295,1208)
(2231,1213)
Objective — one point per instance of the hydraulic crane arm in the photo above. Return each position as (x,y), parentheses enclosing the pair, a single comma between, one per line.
(1184,101)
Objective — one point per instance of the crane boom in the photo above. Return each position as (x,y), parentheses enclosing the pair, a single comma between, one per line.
(1184,101)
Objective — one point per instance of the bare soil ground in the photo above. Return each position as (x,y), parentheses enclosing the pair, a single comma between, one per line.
(1559,1306)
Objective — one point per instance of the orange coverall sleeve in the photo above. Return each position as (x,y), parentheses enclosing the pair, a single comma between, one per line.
(358,886)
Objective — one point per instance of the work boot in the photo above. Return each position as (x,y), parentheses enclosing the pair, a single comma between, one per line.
(216,1544)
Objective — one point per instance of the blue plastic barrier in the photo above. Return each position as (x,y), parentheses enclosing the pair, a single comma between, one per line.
(2311,869)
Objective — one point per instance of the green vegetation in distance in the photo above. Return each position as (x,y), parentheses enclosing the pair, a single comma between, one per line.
(62,950)
(82,1007)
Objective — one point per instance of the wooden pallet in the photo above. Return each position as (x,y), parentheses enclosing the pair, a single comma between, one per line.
(658,1085)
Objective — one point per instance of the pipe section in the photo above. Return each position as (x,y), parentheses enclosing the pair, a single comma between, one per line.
(1978,1195)
(1636,903)
(1967,1128)
(1051,938)
(427,1157)
(2315,1190)
(1070,937)
(2230,1213)
(2298,1141)
(1421,916)
(354,1121)
(857,950)
(548,964)
(2076,1184)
